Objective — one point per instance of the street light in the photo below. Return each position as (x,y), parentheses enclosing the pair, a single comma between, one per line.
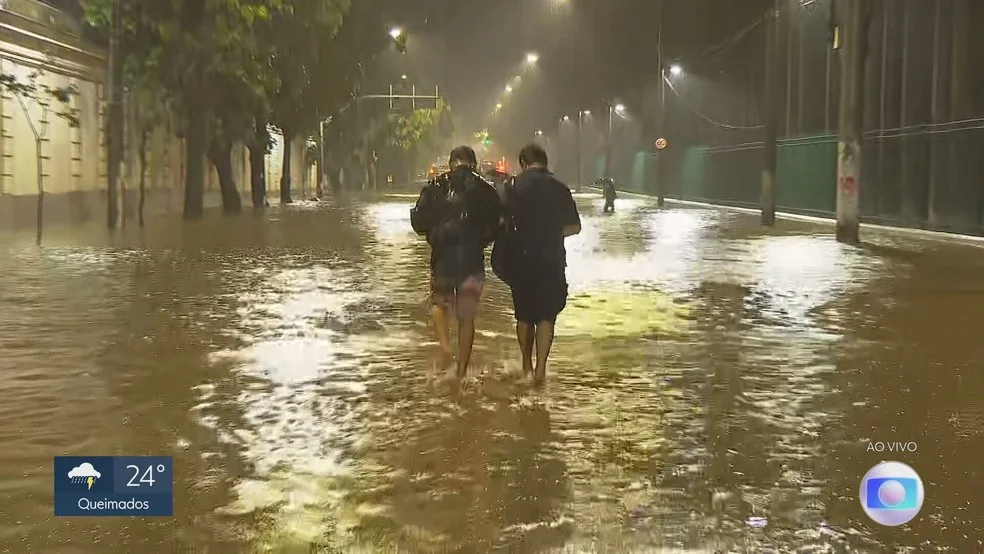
(581,114)
(675,69)
(509,89)
(538,133)
(403,77)
(396,32)
(566,118)
(612,110)
(498,106)
(532,58)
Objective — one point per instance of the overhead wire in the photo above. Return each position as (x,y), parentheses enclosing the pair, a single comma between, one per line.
(706,117)
(714,53)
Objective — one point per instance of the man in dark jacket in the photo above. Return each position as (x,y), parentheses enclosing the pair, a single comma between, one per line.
(544,214)
(458,211)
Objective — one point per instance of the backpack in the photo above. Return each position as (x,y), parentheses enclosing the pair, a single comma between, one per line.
(482,208)
(432,206)
(444,213)
(507,252)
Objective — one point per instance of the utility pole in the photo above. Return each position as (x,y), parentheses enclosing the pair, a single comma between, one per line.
(769,143)
(850,39)
(114,118)
(580,170)
(661,128)
(608,145)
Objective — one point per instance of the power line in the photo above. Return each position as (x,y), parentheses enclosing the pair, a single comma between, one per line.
(705,117)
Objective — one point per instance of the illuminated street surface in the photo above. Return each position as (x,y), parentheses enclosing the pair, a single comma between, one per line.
(713,389)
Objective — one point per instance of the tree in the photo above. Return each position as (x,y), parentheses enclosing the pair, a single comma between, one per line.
(419,130)
(194,51)
(301,39)
(150,110)
(234,119)
(35,99)
(363,37)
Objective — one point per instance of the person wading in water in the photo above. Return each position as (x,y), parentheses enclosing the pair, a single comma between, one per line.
(544,214)
(458,211)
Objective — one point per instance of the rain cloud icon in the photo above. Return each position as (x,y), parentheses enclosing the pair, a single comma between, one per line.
(84,473)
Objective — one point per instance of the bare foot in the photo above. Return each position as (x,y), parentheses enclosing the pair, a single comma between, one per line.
(447,356)
(539,377)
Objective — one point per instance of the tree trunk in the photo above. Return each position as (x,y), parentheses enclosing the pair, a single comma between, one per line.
(257,165)
(40,161)
(221,157)
(285,174)
(196,144)
(144,136)
(320,174)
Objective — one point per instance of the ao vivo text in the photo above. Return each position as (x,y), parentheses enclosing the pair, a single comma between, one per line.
(892,446)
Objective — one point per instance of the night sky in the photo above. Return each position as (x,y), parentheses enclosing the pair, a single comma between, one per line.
(591,53)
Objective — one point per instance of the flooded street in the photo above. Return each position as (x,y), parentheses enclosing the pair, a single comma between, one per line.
(714,387)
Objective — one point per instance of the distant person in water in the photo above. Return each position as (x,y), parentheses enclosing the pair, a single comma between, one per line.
(458,211)
(610,196)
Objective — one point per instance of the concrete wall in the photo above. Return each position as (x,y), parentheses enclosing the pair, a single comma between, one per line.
(35,38)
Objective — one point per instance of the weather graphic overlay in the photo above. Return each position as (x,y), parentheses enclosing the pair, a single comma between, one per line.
(114,486)
(891,493)
(84,472)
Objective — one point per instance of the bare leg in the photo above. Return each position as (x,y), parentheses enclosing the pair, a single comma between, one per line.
(524,332)
(442,328)
(466,337)
(544,340)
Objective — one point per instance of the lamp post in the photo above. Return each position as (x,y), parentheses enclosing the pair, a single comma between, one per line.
(675,70)
(612,110)
(580,169)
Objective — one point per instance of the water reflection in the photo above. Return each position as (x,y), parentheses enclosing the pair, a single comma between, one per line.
(713,387)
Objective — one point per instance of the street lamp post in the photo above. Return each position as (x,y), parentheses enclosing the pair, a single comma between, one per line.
(580,169)
(675,70)
(612,110)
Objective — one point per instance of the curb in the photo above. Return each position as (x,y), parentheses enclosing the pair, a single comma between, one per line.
(971,240)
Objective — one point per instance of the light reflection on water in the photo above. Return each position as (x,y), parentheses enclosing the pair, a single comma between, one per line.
(706,375)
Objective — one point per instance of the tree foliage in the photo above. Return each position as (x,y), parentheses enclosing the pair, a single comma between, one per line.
(223,70)
(299,41)
(418,128)
(31,91)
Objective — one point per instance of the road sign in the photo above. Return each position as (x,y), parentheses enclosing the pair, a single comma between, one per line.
(660,143)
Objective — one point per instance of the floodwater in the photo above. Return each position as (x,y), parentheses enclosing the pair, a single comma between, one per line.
(714,388)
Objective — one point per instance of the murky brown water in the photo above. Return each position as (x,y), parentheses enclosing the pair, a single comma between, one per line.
(705,374)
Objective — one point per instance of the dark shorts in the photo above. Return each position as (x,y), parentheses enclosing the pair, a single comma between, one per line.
(462,294)
(539,296)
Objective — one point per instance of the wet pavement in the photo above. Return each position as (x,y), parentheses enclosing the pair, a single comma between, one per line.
(714,388)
